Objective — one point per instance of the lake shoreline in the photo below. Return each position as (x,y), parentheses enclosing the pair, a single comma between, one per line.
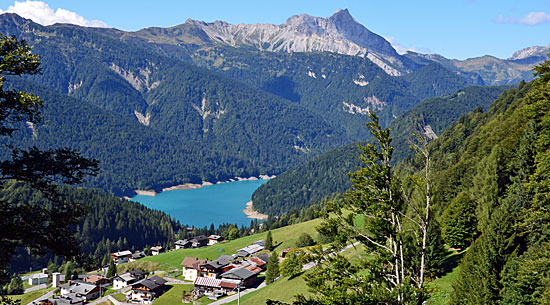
(251,213)
(189,186)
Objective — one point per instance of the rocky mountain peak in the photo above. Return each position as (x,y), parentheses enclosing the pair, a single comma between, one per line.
(539,51)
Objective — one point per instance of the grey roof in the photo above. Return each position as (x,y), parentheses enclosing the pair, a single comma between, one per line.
(199,238)
(238,274)
(181,242)
(137,273)
(221,261)
(127,277)
(70,298)
(264,257)
(82,288)
(152,283)
(260,242)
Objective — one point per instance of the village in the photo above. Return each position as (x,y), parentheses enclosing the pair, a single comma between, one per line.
(223,276)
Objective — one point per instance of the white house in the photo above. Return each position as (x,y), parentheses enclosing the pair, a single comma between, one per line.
(156,250)
(123,280)
(121,257)
(214,239)
(191,268)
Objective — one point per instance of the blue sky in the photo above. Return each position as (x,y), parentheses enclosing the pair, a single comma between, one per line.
(453,28)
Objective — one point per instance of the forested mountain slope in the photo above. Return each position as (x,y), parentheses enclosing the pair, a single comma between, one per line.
(326,175)
(241,130)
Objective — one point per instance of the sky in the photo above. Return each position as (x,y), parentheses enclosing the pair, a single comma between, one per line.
(457,29)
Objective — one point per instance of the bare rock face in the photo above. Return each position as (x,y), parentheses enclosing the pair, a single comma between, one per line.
(339,33)
(536,51)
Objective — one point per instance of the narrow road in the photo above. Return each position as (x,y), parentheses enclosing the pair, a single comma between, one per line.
(36,287)
(103,299)
(235,296)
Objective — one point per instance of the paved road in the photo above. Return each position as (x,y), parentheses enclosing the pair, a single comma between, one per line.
(235,296)
(103,299)
(36,287)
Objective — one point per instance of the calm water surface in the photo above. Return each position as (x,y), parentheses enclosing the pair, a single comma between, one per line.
(217,204)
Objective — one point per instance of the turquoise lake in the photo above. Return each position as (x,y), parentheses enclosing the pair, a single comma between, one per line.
(212,204)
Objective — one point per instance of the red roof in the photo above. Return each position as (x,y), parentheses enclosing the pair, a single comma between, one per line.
(254,269)
(258,261)
(191,262)
(208,282)
(228,285)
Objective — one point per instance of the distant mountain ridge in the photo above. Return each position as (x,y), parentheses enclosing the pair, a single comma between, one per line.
(339,33)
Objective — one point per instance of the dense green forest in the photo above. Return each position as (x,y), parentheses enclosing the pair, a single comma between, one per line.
(195,124)
(326,175)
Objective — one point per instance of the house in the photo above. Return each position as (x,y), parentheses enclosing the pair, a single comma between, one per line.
(258,262)
(156,250)
(216,267)
(182,244)
(121,257)
(68,299)
(146,290)
(199,241)
(214,239)
(125,279)
(191,268)
(38,278)
(207,285)
(84,290)
(264,257)
(96,279)
(136,256)
(245,276)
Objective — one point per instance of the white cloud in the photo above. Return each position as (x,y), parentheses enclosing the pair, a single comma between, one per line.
(401,49)
(41,13)
(533,18)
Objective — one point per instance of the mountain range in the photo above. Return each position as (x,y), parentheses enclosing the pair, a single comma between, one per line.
(210,101)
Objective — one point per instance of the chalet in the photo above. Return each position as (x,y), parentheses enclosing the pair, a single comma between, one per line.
(214,239)
(264,257)
(96,279)
(121,257)
(156,250)
(245,276)
(207,285)
(146,290)
(191,268)
(127,278)
(38,278)
(216,267)
(84,290)
(136,256)
(182,244)
(258,262)
(199,241)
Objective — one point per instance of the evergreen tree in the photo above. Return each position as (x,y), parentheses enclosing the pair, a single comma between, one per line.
(272,271)
(112,269)
(304,240)
(269,241)
(459,222)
